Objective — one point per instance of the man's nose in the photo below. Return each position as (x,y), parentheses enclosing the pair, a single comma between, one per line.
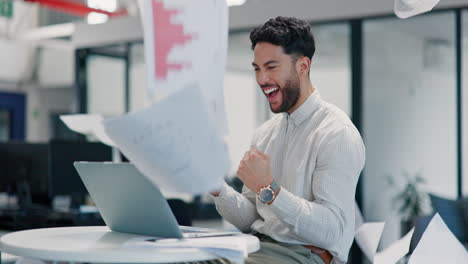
(263,78)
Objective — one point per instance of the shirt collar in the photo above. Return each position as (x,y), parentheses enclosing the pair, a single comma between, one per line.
(306,109)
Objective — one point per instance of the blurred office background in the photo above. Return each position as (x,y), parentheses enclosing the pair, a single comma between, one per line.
(404,83)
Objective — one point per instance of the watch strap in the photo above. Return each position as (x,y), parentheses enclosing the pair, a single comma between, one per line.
(274,186)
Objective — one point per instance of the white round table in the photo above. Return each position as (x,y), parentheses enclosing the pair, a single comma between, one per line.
(97,244)
(6,259)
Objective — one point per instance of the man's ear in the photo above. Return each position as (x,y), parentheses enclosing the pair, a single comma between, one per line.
(303,65)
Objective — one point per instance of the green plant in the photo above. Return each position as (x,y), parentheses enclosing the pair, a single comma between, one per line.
(410,200)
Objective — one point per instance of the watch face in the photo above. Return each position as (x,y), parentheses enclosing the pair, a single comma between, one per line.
(266,195)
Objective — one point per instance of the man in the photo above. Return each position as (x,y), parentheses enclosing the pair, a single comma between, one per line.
(301,173)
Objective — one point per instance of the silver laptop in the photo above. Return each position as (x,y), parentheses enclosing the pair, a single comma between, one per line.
(129,203)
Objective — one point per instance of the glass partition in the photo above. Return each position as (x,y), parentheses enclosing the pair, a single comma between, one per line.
(465,100)
(409,114)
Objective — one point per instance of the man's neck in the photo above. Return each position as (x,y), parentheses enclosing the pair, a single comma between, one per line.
(305,93)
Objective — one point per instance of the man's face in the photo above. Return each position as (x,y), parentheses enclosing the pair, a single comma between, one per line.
(276,75)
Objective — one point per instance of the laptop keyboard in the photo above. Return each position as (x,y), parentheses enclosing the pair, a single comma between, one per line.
(188,231)
(209,234)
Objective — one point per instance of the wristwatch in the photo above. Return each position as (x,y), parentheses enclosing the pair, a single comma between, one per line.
(267,194)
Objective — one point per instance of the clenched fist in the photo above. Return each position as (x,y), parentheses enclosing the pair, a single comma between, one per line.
(255,171)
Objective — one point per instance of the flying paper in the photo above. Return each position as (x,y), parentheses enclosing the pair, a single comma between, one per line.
(174,143)
(409,8)
(368,236)
(88,124)
(438,245)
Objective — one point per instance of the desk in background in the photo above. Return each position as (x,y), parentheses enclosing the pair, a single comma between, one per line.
(29,218)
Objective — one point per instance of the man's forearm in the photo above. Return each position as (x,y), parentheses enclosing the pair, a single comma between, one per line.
(317,224)
(236,208)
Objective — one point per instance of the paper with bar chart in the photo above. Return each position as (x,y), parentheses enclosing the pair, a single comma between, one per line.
(186,43)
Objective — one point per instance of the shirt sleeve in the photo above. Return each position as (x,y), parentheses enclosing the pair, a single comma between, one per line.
(330,217)
(238,209)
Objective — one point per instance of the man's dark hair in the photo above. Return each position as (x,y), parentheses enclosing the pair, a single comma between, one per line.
(292,34)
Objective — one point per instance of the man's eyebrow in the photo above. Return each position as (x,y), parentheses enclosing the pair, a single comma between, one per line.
(270,62)
(266,63)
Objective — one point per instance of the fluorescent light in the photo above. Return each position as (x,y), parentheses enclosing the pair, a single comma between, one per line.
(106,5)
(235,2)
(97,18)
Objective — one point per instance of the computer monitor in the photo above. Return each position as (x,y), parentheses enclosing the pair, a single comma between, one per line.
(63,178)
(26,165)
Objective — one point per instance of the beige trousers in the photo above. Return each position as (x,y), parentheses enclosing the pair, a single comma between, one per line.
(276,253)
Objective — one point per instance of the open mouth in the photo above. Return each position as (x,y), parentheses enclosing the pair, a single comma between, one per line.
(271,92)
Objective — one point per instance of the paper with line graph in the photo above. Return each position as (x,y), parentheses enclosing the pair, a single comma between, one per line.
(174,143)
(186,42)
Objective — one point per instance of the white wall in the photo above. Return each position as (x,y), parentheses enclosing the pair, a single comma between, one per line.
(334,86)
(106,85)
(56,67)
(139,97)
(330,70)
(240,91)
(16,57)
(16,60)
